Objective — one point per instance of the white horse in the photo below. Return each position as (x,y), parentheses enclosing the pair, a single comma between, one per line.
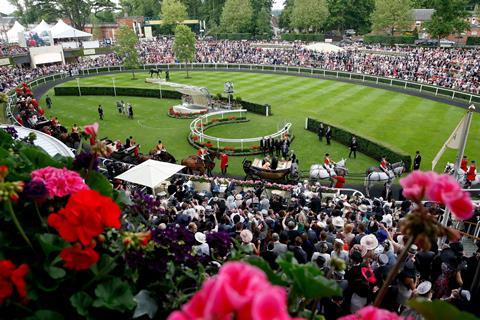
(318,171)
(450,169)
(375,174)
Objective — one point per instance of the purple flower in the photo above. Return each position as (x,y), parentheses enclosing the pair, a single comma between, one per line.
(84,161)
(35,190)
(220,243)
(11,131)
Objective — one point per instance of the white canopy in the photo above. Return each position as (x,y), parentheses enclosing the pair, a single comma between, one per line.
(323,47)
(41,27)
(150,173)
(62,30)
(12,34)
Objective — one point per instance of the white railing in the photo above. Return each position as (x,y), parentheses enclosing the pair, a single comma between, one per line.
(426,89)
(197,127)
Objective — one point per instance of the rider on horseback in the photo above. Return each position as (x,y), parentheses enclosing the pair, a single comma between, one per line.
(328,164)
(202,152)
(160,147)
(384,165)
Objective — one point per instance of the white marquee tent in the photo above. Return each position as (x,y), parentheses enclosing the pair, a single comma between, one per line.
(12,34)
(41,27)
(62,31)
(150,173)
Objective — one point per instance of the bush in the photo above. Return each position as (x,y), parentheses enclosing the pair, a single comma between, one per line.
(148,93)
(233,36)
(303,37)
(368,147)
(473,41)
(389,40)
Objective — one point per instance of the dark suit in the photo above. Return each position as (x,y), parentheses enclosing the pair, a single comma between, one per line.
(320,133)
(328,135)
(416,162)
(353,148)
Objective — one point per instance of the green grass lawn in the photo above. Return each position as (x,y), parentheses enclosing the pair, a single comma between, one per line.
(405,122)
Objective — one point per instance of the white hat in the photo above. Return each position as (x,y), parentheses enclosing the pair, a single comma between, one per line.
(362,208)
(264,212)
(246,236)
(424,287)
(370,242)
(238,197)
(321,224)
(400,240)
(343,197)
(200,237)
(339,241)
(338,222)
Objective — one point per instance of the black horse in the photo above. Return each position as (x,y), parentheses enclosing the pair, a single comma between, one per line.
(158,72)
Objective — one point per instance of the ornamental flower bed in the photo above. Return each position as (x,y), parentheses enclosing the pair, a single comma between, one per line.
(180,115)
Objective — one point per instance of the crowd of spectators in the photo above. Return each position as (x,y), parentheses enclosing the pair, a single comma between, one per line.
(328,230)
(8,50)
(453,68)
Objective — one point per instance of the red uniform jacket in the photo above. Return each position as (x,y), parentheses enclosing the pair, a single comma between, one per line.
(384,164)
(326,162)
(340,182)
(464,165)
(471,173)
(223,160)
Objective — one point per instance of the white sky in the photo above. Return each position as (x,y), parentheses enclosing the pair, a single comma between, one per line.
(7,8)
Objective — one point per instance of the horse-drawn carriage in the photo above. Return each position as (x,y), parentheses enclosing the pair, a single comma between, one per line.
(254,169)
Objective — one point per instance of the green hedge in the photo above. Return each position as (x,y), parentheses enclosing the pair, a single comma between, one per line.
(303,37)
(233,36)
(148,93)
(389,40)
(473,41)
(370,148)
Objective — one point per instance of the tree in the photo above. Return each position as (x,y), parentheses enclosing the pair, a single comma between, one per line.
(236,16)
(391,15)
(126,48)
(25,11)
(77,11)
(146,8)
(184,44)
(263,22)
(173,12)
(422,4)
(286,15)
(449,17)
(211,11)
(309,15)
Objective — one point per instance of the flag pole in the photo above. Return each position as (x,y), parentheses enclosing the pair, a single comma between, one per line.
(461,151)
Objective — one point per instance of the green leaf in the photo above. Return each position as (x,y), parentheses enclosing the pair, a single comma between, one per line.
(114,294)
(98,182)
(81,301)
(55,272)
(45,315)
(105,264)
(262,264)
(307,279)
(439,310)
(38,157)
(121,198)
(146,305)
(51,243)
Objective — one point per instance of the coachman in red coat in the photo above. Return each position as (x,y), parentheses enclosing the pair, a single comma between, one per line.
(224,163)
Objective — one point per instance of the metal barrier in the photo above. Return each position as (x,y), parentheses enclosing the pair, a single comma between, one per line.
(281,69)
(197,129)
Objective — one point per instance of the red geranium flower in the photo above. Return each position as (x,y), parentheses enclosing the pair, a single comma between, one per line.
(77,258)
(11,276)
(85,216)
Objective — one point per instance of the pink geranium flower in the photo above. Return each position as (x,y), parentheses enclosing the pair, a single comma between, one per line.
(239,290)
(91,129)
(60,182)
(415,184)
(372,313)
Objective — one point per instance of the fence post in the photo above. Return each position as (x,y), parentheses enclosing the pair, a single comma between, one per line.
(376,82)
(241,144)
(363,78)
(405,85)
(306,123)
(421,87)
(391,82)
(263,67)
(436,92)
(251,67)
(267,111)
(324,74)
(337,74)
(350,76)
(215,66)
(470,101)
(311,70)
(298,69)
(218,143)
(275,68)
(96,70)
(287,69)
(453,95)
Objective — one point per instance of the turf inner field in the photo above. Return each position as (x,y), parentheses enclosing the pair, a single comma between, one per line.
(406,122)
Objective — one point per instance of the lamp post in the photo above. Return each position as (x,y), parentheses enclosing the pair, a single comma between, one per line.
(228,89)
